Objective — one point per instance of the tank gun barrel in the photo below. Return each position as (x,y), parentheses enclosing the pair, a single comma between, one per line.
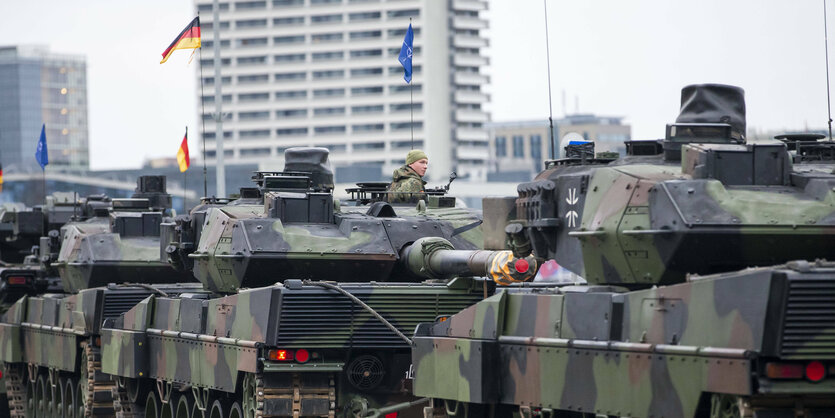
(435,258)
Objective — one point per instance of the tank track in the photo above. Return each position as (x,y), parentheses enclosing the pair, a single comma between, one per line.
(122,405)
(98,401)
(15,390)
(297,393)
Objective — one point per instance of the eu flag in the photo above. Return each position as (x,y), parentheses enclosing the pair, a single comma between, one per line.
(41,154)
(405,57)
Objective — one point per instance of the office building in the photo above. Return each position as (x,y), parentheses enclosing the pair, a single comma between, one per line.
(39,87)
(520,148)
(325,73)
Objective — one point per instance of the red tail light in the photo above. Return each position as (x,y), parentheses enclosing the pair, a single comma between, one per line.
(17,279)
(280,355)
(391,415)
(302,355)
(815,371)
(784,370)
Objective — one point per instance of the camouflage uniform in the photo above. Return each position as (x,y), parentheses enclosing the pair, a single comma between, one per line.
(406,186)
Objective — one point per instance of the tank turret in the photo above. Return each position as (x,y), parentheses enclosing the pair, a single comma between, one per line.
(703,202)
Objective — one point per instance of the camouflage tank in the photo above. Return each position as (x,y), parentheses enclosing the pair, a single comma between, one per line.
(301,310)
(48,336)
(673,321)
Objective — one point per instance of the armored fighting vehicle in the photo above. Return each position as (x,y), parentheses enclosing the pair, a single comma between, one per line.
(301,310)
(694,305)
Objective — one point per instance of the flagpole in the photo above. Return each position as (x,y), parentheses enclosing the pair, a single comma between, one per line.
(550,106)
(412,100)
(185,187)
(203,120)
(43,211)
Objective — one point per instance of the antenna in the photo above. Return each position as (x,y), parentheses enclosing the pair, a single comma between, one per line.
(550,104)
(826,47)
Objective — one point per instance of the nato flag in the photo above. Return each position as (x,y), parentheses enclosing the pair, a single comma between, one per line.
(41,154)
(405,57)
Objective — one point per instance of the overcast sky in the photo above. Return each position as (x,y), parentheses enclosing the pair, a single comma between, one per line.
(610,57)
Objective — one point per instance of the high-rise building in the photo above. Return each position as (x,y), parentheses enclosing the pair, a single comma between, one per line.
(325,73)
(38,87)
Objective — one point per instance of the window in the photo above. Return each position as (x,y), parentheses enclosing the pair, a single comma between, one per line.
(399,126)
(536,147)
(501,146)
(251,152)
(317,75)
(407,144)
(210,26)
(251,42)
(291,94)
(354,17)
(398,70)
(329,111)
(291,113)
(253,78)
(371,127)
(288,21)
(212,153)
(287,3)
(253,134)
(518,146)
(361,91)
(253,97)
(335,147)
(261,59)
(257,115)
(369,146)
(251,23)
(211,135)
(405,107)
(335,129)
(367,109)
(366,72)
(403,13)
(227,98)
(366,53)
(211,80)
(393,52)
(326,37)
(405,88)
(324,2)
(322,56)
(329,93)
(289,58)
(290,76)
(250,5)
(210,62)
(208,7)
(400,33)
(224,43)
(291,131)
(293,39)
(366,34)
(326,18)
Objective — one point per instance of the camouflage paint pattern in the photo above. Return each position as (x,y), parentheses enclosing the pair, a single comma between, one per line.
(406,186)
(655,352)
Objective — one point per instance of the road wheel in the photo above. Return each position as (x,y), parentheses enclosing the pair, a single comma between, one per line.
(185,406)
(726,406)
(219,409)
(235,410)
(41,398)
(250,393)
(153,407)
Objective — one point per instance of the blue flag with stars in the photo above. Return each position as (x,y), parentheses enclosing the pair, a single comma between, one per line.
(41,154)
(405,57)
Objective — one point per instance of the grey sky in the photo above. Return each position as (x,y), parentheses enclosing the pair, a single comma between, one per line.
(622,58)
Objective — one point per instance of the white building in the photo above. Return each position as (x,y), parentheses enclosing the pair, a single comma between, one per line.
(325,73)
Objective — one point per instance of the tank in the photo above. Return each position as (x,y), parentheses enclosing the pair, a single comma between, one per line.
(301,307)
(695,305)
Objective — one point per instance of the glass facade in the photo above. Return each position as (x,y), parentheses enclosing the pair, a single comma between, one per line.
(36,88)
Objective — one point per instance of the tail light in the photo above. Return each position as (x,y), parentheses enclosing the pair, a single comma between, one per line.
(813,371)
(299,356)
(16,280)
(391,415)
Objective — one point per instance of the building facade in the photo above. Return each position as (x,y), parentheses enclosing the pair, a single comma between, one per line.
(325,73)
(520,148)
(38,87)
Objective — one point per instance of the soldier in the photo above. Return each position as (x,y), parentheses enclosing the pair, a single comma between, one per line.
(407,183)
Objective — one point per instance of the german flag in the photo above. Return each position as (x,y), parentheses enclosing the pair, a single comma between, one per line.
(182,154)
(189,38)
(1,177)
